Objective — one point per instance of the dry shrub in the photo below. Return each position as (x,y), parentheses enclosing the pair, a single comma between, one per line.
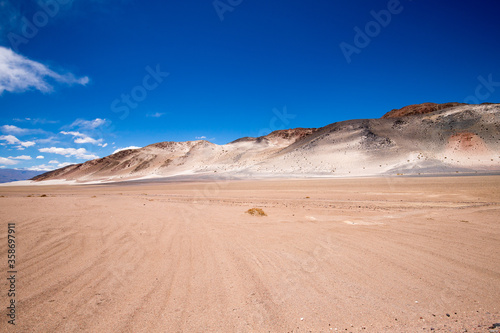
(256,212)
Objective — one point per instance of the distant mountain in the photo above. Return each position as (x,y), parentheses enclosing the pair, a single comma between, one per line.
(11,175)
(419,139)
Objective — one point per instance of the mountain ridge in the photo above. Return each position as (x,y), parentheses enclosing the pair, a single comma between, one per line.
(11,175)
(425,139)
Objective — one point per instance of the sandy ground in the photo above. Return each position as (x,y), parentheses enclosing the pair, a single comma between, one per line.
(349,255)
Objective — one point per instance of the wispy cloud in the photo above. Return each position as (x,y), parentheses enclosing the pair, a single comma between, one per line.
(40,157)
(19,74)
(80,153)
(42,167)
(83,138)
(47,167)
(62,165)
(47,140)
(88,124)
(204,138)
(12,129)
(12,140)
(155,115)
(36,120)
(130,147)
(7,161)
(22,157)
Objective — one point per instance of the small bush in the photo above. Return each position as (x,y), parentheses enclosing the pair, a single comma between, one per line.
(43,196)
(256,212)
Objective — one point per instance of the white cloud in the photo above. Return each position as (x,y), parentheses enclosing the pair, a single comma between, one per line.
(42,167)
(83,138)
(40,157)
(12,140)
(46,167)
(155,115)
(104,145)
(13,129)
(130,147)
(204,138)
(7,161)
(19,74)
(86,139)
(88,124)
(47,140)
(54,162)
(27,143)
(80,153)
(36,120)
(62,165)
(22,157)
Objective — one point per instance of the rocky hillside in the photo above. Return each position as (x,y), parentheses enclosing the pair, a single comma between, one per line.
(418,139)
(415,109)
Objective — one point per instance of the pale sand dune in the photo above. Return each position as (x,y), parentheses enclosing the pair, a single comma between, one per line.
(386,254)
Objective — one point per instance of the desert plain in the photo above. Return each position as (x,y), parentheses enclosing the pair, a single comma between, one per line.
(382,254)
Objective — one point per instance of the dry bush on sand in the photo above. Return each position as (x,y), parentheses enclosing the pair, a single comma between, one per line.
(256,212)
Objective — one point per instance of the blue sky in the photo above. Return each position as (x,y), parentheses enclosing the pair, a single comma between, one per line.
(80,79)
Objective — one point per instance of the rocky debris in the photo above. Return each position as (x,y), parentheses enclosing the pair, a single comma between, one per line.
(494,328)
(415,109)
(295,133)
